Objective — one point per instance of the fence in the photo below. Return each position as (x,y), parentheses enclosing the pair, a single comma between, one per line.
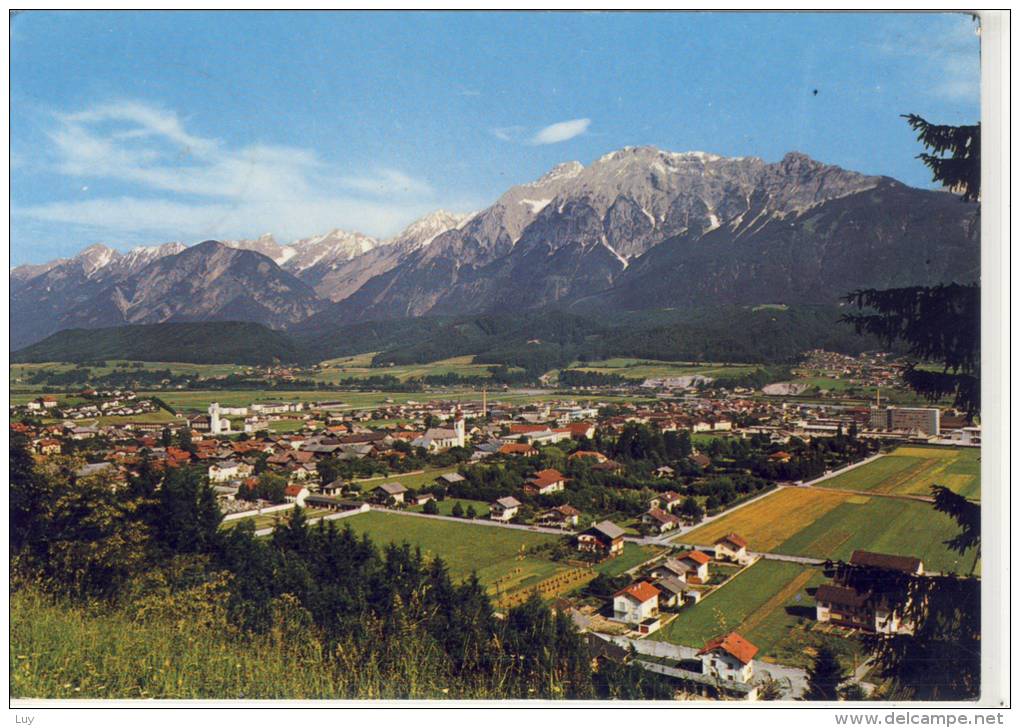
(259,512)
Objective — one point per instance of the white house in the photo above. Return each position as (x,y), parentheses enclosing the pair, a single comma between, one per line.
(696,564)
(731,547)
(226,470)
(547,481)
(636,603)
(729,657)
(504,509)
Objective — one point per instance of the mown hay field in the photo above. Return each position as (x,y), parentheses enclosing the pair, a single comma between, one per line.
(769,521)
(913,470)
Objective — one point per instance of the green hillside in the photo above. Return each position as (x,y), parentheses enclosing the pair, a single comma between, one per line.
(209,342)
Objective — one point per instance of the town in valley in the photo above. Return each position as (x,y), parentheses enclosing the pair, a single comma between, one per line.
(690,529)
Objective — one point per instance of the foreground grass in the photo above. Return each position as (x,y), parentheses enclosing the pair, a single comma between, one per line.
(65,651)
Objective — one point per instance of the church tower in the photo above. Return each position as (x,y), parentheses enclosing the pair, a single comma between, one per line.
(214,418)
(459,428)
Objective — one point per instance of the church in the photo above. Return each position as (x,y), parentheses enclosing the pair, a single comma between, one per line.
(443,438)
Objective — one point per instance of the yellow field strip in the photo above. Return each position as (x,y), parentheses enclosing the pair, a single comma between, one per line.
(772,520)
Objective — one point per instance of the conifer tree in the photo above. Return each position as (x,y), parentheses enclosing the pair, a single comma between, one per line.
(825,676)
(938,324)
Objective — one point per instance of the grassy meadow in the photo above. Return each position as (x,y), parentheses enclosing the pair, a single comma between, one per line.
(465,547)
(769,603)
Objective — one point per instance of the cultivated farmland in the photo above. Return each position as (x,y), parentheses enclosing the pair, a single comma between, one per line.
(913,470)
(769,521)
(830,525)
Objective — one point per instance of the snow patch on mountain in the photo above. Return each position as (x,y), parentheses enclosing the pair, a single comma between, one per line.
(536,205)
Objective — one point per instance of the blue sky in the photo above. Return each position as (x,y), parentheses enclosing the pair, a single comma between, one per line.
(140,128)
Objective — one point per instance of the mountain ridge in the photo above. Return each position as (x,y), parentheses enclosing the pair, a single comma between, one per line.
(639,227)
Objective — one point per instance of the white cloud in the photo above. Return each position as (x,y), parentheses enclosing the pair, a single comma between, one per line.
(949,47)
(189,185)
(508,133)
(561,131)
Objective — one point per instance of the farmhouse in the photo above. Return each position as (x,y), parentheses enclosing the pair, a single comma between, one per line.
(504,509)
(334,487)
(581,429)
(728,657)
(228,470)
(873,611)
(396,491)
(603,538)
(48,447)
(731,548)
(666,501)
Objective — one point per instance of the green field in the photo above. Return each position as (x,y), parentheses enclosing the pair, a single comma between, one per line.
(632,556)
(491,551)
(409,480)
(160,415)
(913,470)
(885,525)
(771,605)
(651,368)
(359,367)
(828,524)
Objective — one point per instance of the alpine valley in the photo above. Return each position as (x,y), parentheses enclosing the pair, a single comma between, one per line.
(638,230)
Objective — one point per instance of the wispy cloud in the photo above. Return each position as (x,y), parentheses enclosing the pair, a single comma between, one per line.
(949,47)
(508,133)
(189,185)
(561,131)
